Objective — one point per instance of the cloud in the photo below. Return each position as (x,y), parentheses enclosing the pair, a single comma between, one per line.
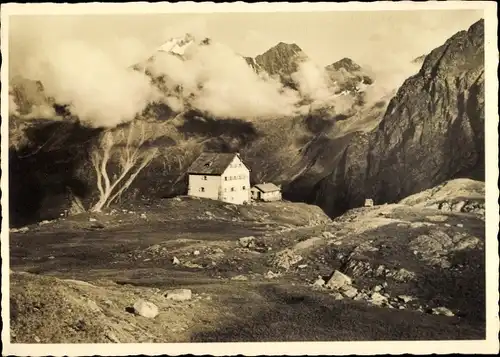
(97,87)
(222,84)
(97,83)
(314,83)
(95,79)
(390,79)
(13,108)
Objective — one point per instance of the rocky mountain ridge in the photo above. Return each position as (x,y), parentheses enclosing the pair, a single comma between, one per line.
(433,130)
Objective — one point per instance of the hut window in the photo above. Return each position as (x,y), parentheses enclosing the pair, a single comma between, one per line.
(202,189)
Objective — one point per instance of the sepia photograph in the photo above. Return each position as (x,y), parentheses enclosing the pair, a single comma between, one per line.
(249,173)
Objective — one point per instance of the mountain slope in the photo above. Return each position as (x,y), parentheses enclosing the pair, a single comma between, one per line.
(433,130)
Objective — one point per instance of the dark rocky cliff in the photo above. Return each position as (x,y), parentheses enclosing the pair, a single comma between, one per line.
(433,130)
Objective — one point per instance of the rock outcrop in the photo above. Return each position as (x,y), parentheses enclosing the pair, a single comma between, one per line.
(459,195)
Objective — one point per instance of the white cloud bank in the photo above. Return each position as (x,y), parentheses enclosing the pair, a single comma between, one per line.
(102,89)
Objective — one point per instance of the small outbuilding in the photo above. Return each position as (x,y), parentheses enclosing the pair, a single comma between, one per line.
(368,202)
(266,192)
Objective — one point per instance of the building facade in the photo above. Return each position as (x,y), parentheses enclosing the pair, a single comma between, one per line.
(222,177)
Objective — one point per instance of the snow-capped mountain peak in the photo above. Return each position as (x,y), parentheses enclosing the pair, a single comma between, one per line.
(177,45)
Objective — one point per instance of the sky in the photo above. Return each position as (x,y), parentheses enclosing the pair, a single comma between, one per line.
(380,39)
(85,60)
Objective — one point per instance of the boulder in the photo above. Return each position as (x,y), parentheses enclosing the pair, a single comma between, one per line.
(466,242)
(445,207)
(437,218)
(377,298)
(319,283)
(192,265)
(328,235)
(306,244)
(112,337)
(179,294)
(405,298)
(271,275)
(338,296)
(285,259)
(360,296)
(458,207)
(93,306)
(239,278)
(108,303)
(349,291)
(338,280)
(380,271)
(358,267)
(146,309)
(247,242)
(403,275)
(442,311)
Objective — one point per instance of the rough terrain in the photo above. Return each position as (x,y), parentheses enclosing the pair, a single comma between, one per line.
(260,272)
